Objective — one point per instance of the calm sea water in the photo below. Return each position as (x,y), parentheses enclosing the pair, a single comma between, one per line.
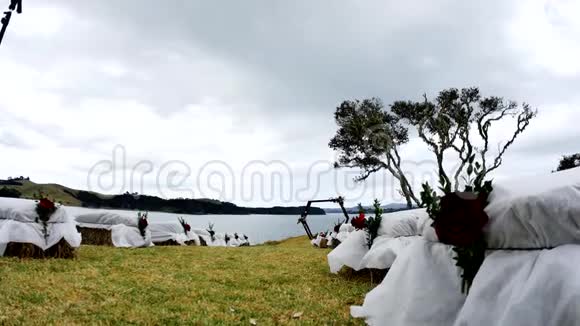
(259,228)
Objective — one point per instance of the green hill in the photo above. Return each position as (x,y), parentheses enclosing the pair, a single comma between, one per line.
(24,188)
(57,192)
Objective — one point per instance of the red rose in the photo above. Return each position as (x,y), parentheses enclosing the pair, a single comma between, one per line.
(143,223)
(461,218)
(45,208)
(46,204)
(359,222)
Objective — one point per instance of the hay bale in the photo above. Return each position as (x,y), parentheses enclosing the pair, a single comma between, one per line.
(97,237)
(169,242)
(27,250)
(375,276)
(334,243)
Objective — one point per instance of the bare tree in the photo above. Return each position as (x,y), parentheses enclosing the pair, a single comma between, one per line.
(447,124)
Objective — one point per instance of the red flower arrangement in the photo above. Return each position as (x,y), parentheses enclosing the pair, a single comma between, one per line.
(142,223)
(461,218)
(370,225)
(359,222)
(45,208)
(185,225)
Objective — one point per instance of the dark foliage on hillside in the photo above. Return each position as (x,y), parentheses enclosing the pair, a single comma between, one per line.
(8,192)
(181,205)
(10,183)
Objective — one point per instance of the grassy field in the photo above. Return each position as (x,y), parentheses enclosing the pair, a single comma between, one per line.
(267,284)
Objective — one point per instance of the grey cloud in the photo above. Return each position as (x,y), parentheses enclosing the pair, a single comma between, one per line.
(286,65)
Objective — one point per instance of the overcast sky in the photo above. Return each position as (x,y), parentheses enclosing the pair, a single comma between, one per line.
(209,89)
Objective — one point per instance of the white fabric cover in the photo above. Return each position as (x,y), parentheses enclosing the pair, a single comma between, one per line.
(346,227)
(124,230)
(191,236)
(538,212)
(425,229)
(219,240)
(17,224)
(349,253)
(344,231)
(525,288)
(401,223)
(395,227)
(105,219)
(316,240)
(531,288)
(422,287)
(124,236)
(161,232)
(202,234)
(342,236)
(384,252)
(330,236)
(233,241)
(24,210)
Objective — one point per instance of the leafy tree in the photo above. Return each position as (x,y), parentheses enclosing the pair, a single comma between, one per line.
(457,122)
(368,138)
(569,162)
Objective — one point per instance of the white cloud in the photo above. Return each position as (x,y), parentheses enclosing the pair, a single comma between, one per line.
(548,35)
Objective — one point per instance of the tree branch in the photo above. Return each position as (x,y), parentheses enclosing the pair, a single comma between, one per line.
(523,122)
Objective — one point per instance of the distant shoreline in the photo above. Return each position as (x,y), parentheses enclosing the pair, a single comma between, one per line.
(24,188)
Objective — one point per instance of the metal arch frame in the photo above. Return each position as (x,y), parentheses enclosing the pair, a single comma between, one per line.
(302,219)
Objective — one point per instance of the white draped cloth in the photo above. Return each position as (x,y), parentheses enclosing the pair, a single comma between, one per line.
(202,234)
(422,287)
(161,232)
(394,234)
(18,224)
(220,239)
(535,286)
(124,230)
